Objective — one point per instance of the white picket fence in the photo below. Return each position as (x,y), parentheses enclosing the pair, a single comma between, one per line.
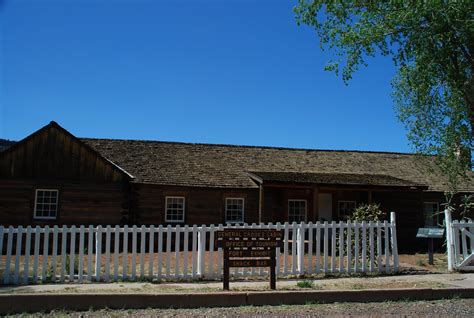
(87,254)
(460,243)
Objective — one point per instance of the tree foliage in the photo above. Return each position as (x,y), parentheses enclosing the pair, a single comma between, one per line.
(368,212)
(432,45)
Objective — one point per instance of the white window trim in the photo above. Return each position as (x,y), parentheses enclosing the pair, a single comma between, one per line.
(36,204)
(344,201)
(305,208)
(243,210)
(166,209)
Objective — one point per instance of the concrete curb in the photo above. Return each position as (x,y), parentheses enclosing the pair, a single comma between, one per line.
(17,303)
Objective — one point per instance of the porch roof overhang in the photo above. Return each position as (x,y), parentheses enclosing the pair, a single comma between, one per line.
(334,179)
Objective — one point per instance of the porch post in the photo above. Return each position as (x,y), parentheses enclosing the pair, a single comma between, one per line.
(261,203)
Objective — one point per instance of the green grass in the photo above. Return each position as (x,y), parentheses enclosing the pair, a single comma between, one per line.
(305,284)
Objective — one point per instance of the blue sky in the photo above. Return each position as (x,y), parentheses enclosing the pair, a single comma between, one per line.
(234,72)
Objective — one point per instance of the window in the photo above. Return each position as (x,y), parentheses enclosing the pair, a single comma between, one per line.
(234,210)
(345,208)
(46,204)
(296,211)
(174,209)
(430,211)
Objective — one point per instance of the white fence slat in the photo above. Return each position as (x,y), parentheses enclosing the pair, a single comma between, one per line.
(300,247)
(285,248)
(26,268)
(326,252)
(125,253)
(44,265)
(160,251)
(168,251)
(98,253)
(333,246)
(134,252)
(211,251)
(151,251)
(318,247)
(371,245)
(219,255)
(310,247)
(6,273)
(81,254)
(90,250)
(278,252)
(261,269)
(294,230)
(341,246)
(349,247)
(107,253)
(54,253)
(185,251)
(364,246)
(62,275)
(457,243)
(19,238)
(193,249)
(116,251)
(379,246)
(387,247)
(72,252)
(176,250)
(464,243)
(142,251)
(356,247)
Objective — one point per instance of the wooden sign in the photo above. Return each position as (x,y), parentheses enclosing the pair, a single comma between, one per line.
(249,248)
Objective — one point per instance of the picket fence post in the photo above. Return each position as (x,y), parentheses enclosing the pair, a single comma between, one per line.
(201,251)
(449,238)
(300,248)
(393,241)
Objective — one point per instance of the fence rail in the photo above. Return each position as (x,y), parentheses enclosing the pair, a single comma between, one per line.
(86,254)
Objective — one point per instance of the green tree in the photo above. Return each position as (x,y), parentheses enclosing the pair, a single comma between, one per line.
(432,45)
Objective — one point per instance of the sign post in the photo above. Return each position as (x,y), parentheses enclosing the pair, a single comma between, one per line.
(430,233)
(249,248)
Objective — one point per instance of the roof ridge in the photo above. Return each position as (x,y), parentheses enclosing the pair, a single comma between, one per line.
(256,147)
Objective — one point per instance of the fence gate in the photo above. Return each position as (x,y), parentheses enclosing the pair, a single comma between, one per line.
(460,243)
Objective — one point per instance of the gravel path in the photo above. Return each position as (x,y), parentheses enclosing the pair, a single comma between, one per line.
(432,309)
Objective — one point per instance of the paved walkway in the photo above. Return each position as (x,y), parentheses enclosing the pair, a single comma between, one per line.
(455,280)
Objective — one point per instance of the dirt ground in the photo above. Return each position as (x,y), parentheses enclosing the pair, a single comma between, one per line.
(441,308)
(408,263)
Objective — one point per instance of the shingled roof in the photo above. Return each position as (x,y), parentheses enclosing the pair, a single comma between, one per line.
(208,165)
(333,179)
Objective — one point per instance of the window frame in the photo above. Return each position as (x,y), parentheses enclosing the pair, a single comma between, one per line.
(166,209)
(435,217)
(243,210)
(35,210)
(339,206)
(305,209)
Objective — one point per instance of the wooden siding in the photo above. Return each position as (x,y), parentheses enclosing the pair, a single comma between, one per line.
(53,153)
(203,205)
(79,203)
